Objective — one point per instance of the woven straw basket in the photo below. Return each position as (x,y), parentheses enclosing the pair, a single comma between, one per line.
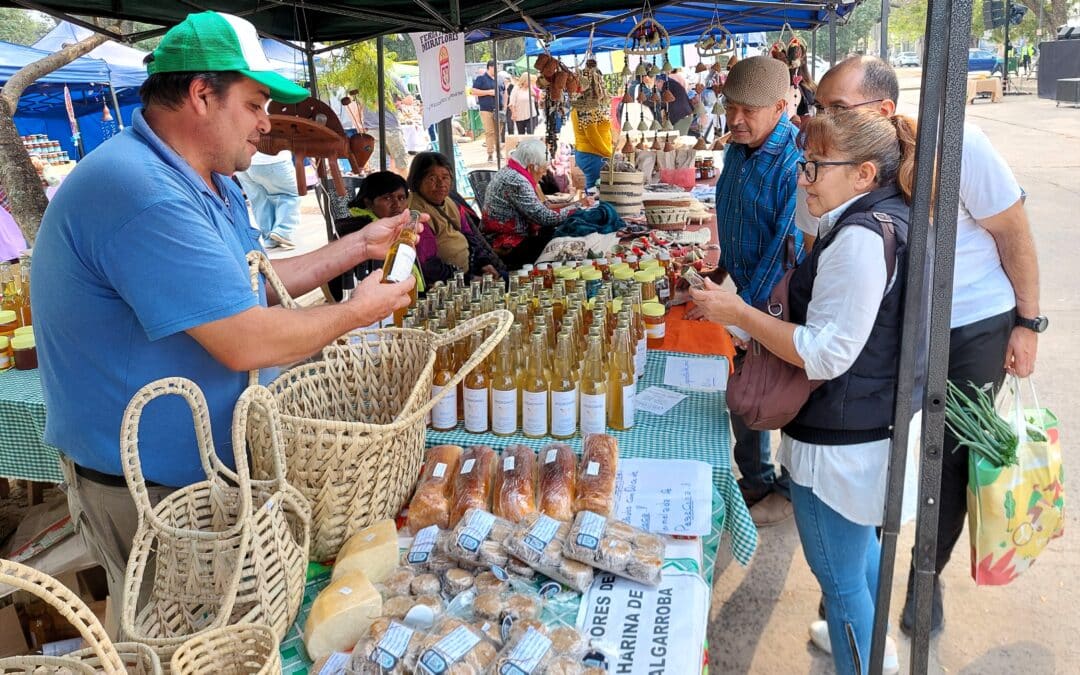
(667,218)
(354,421)
(623,190)
(243,649)
(101,655)
(221,551)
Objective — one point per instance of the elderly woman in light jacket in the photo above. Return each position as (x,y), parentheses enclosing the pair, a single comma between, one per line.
(516,221)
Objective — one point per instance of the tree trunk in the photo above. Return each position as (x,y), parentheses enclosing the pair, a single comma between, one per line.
(17,174)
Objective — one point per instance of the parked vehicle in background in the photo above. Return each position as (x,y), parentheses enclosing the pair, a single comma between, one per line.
(985,60)
(906,60)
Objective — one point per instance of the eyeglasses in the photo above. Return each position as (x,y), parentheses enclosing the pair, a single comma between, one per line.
(810,168)
(818,109)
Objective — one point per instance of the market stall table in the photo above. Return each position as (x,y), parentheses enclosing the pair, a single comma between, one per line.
(23,453)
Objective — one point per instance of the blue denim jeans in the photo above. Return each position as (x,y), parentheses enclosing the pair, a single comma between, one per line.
(844,557)
(590,165)
(275,201)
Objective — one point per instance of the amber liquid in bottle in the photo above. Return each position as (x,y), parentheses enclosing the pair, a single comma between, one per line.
(397,266)
(504,392)
(593,389)
(475,391)
(564,403)
(534,390)
(621,389)
(444,415)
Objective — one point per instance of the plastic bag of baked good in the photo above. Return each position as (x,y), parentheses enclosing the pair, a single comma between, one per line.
(556,481)
(515,484)
(427,553)
(595,489)
(478,537)
(391,648)
(397,606)
(455,646)
(542,651)
(538,540)
(613,546)
(431,503)
(473,482)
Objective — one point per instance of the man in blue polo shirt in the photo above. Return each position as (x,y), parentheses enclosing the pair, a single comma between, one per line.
(755,208)
(140,273)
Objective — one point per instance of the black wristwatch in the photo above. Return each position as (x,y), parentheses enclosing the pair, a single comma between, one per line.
(1038,324)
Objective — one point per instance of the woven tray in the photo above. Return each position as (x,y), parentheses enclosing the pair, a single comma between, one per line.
(667,218)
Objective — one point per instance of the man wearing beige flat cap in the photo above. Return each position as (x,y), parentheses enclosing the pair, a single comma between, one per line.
(755,208)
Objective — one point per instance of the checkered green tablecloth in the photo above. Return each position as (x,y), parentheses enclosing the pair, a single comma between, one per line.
(23,454)
(294,659)
(697,428)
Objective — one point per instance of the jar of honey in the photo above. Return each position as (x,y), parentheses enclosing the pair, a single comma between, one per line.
(655,323)
(648,285)
(592,278)
(9,321)
(24,349)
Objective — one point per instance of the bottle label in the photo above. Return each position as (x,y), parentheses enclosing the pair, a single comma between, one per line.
(563,413)
(656,331)
(476,410)
(641,355)
(403,262)
(504,411)
(534,413)
(444,414)
(593,414)
(629,393)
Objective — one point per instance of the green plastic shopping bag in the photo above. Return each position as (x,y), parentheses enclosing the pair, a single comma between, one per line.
(1014,511)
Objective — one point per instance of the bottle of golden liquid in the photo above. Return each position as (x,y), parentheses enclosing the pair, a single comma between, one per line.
(641,348)
(621,388)
(564,403)
(475,391)
(9,294)
(593,389)
(534,390)
(397,266)
(504,392)
(444,415)
(24,290)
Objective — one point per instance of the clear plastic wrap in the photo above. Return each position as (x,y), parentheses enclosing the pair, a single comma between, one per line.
(431,503)
(398,583)
(456,581)
(473,482)
(535,649)
(595,490)
(398,606)
(614,546)
(557,478)
(515,484)
(456,647)
(477,539)
(391,648)
(538,540)
(527,655)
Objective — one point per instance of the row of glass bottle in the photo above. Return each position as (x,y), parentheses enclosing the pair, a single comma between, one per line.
(15,289)
(568,364)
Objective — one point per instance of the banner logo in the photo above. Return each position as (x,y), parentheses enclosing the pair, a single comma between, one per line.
(444,68)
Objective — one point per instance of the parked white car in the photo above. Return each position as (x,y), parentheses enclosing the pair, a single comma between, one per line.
(906,60)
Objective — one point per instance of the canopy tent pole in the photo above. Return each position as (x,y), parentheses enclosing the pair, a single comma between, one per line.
(381,84)
(832,35)
(444,131)
(313,82)
(939,143)
(116,104)
(498,105)
(883,48)
(533,112)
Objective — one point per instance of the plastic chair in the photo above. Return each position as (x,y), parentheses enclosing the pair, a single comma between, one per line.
(479,181)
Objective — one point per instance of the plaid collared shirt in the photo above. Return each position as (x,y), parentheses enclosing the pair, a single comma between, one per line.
(755,211)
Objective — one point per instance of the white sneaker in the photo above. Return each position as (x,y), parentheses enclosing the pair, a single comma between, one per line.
(819,636)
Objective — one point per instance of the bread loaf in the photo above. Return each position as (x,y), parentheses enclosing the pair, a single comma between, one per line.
(430,504)
(596,475)
(473,482)
(557,481)
(515,484)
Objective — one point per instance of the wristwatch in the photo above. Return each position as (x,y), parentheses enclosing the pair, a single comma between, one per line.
(1038,324)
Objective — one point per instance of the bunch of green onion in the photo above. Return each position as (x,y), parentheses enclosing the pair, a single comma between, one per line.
(977,426)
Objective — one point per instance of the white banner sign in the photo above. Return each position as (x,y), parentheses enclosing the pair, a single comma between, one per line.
(441,57)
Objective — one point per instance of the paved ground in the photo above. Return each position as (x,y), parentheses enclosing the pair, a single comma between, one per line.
(760,613)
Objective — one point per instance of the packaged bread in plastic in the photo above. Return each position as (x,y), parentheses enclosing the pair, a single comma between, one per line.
(478,537)
(456,647)
(392,648)
(538,541)
(430,504)
(595,489)
(515,484)
(396,607)
(557,464)
(527,655)
(473,482)
(613,546)
(498,606)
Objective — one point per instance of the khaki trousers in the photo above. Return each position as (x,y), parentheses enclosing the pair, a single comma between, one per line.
(488,118)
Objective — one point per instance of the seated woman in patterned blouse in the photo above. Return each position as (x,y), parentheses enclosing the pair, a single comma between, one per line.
(516,221)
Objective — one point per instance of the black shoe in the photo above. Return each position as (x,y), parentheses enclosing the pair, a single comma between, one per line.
(937,608)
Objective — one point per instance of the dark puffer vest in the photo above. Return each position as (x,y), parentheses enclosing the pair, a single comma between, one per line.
(857,407)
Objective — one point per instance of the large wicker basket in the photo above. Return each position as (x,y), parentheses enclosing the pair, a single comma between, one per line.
(243,649)
(623,190)
(354,421)
(221,551)
(100,655)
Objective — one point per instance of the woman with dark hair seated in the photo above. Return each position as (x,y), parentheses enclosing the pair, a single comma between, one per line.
(451,241)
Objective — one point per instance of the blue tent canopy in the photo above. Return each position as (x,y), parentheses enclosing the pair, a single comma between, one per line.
(125,63)
(82,70)
(579,45)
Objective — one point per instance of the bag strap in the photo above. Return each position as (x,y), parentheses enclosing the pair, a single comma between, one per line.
(888,236)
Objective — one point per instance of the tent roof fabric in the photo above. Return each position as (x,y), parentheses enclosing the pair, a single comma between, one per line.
(124,63)
(83,70)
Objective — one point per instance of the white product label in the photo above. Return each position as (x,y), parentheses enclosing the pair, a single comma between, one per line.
(629,394)
(448,651)
(592,469)
(534,413)
(335,663)
(5,361)
(476,530)
(423,544)
(466,466)
(509,462)
(476,410)
(552,455)
(439,471)
(529,652)
(444,414)
(563,413)
(656,331)
(590,528)
(641,356)
(541,533)
(504,411)
(593,414)
(403,262)
(392,646)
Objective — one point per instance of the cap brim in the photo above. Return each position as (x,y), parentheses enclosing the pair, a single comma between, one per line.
(281,88)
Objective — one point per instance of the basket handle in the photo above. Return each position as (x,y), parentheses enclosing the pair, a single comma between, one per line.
(501,319)
(258,263)
(200,417)
(262,396)
(74,610)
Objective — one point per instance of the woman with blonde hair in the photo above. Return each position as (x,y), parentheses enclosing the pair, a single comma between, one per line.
(846,316)
(523,104)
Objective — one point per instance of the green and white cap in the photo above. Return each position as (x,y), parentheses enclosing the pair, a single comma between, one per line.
(213,42)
